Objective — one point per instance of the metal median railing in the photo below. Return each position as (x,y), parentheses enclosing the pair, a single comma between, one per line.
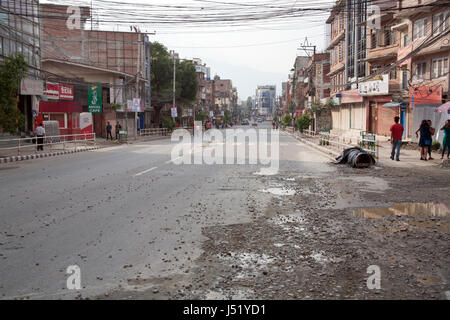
(154,132)
(339,143)
(60,142)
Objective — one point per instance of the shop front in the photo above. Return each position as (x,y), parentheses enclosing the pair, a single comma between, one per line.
(65,112)
(349,114)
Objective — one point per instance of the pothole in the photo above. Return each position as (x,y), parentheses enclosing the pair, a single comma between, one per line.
(405,209)
(279,191)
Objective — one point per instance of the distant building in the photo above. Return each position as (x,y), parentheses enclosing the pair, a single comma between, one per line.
(222,94)
(265,99)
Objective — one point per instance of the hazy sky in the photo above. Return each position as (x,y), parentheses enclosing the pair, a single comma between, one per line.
(259,53)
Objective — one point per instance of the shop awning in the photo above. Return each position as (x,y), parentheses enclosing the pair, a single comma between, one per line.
(60,106)
(445,108)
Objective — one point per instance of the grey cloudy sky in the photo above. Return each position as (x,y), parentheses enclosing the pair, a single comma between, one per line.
(255,53)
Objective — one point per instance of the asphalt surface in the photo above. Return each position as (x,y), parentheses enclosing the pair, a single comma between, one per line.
(122,213)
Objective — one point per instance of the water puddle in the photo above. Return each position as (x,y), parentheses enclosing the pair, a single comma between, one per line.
(405,209)
(425,217)
(279,191)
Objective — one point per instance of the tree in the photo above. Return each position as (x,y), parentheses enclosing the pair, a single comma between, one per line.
(12,71)
(161,77)
(168,123)
(201,116)
(303,122)
(187,83)
(286,120)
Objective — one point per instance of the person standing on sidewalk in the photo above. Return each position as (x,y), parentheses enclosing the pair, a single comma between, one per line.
(432,132)
(40,133)
(396,138)
(108,131)
(446,141)
(118,128)
(425,139)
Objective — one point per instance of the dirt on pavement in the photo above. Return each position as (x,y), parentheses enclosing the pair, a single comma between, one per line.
(312,241)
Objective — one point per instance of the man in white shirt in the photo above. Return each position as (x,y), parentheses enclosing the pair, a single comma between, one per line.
(40,133)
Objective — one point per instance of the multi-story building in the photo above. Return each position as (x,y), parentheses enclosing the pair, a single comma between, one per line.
(347,65)
(317,90)
(20,34)
(204,93)
(117,60)
(318,87)
(298,82)
(222,94)
(265,99)
(425,77)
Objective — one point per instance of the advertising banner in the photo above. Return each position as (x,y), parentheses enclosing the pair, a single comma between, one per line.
(31,87)
(425,95)
(136,105)
(378,85)
(174,112)
(52,90)
(66,92)
(95,98)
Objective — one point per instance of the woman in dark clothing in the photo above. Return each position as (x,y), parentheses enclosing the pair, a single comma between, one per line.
(446,141)
(425,139)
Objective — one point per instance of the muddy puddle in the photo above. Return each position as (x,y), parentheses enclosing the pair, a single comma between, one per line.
(405,209)
(425,217)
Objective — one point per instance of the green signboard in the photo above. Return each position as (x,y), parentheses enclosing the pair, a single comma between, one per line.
(95,98)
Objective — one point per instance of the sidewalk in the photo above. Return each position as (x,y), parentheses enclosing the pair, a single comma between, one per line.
(408,157)
(29,151)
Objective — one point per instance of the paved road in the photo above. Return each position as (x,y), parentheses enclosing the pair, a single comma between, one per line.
(121,213)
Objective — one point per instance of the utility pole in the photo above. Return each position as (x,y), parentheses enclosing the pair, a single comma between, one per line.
(307,47)
(356,37)
(174,78)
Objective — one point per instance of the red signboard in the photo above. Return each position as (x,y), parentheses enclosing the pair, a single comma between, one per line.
(425,95)
(65,92)
(52,90)
(58,91)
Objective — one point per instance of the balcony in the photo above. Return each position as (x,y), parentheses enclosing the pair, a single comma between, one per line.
(382,53)
(334,41)
(441,45)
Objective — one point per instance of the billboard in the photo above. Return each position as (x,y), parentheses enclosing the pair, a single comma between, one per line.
(95,98)
(378,85)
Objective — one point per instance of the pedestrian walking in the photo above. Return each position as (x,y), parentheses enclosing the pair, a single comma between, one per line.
(432,132)
(118,128)
(425,139)
(396,138)
(108,131)
(40,133)
(446,141)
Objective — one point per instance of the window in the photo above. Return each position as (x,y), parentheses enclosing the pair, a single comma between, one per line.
(420,28)
(440,22)
(373,40)
(387,36)
(440,67)
(405,80)
(419,70)
(393,74)
(405,39)
(341,51)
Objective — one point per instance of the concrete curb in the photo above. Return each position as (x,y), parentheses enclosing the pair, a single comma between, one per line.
(44,155)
